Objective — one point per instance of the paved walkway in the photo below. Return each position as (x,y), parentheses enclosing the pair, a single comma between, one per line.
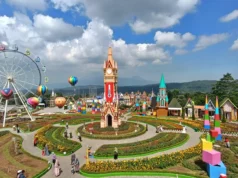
(65,160)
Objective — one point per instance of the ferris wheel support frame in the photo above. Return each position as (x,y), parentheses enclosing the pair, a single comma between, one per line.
(24,105)
(5,109)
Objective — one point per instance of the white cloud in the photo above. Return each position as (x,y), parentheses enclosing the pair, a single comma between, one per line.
(180,51)
(205,41)
(65,5)
(29,4)
(229,17)
(235,45)
(75,51)
(173,39)
(54,29)
(143,16)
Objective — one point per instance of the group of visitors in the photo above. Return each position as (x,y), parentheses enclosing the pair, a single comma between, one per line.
(21,174)
(75,163)
(45,151)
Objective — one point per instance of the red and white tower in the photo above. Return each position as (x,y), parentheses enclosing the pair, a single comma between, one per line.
(110,113)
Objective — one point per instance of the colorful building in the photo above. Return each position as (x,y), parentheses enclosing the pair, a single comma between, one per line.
(162,100)
(175,109)
(189,108)
(199,110)
(228,110)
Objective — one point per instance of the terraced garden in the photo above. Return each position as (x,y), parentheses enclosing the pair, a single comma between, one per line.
(11,162)
(161,142)
(53,137)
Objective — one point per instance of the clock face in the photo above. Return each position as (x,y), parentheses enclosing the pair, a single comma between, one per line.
(109,71)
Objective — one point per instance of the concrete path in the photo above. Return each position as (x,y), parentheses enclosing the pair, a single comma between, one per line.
(65,160)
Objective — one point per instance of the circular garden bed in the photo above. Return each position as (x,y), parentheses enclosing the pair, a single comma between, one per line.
(53,137)
(125,130)
(160,142)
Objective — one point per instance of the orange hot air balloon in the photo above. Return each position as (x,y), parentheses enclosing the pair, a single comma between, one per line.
(60,102)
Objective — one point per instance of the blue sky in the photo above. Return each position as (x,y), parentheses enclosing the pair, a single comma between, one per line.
(185,40)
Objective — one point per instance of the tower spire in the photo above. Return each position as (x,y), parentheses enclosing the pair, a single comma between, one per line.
(162,82)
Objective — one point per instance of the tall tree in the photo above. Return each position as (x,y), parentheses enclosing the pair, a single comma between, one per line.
(226,87)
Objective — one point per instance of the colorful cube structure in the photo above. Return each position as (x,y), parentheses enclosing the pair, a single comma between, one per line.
(212,157)
(214,133)
(215,171)
(215,167)
(206,145)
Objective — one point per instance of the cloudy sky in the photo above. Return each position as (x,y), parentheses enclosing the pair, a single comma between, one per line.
(184,39)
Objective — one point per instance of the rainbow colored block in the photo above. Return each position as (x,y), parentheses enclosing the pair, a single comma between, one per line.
(219,137)
(211,157)
(206,122)
(217,123)
(216,117)
(218,129)
(206,145)
(223,176)
(214,133)
(214,171)
(207,127)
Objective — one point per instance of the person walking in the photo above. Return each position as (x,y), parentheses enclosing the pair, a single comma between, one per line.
(76,165)
(46,150)
(35,141)
(53,158)
(73,158)
(67,125)
(79,137)
(57,168)
(115,153)
(227,143)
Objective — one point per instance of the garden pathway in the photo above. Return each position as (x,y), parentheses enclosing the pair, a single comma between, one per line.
(65,160)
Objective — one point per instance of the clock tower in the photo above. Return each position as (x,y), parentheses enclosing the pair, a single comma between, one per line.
(110,113)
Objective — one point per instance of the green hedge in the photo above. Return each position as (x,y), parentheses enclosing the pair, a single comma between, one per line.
(144,173)
(43,172)
(160,142)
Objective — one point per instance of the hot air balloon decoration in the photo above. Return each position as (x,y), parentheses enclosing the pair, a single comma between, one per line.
(33,102)
(60,102)
(42,89)
(6,93)
(72,80)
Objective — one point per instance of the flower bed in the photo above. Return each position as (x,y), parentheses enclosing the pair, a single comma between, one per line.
(156,163)
(53,137)
(157,122)
(76,121)
(160,142)
(126,130)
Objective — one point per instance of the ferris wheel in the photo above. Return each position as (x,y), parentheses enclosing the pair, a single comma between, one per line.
(20,75)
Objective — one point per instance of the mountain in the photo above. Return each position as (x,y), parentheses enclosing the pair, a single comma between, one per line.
(194,86)
(98,80)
